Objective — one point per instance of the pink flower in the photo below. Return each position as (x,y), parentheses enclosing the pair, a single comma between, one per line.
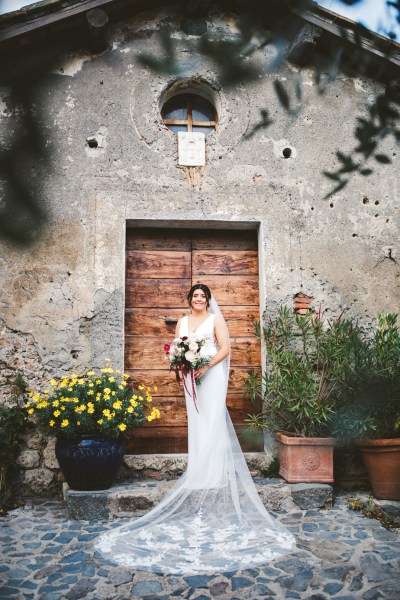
(166,348)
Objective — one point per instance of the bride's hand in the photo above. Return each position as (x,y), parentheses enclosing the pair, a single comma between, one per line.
(200,372)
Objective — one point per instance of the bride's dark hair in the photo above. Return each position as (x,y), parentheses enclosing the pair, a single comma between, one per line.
(199,286)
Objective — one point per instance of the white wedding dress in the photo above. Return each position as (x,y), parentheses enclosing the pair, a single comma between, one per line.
(212,520)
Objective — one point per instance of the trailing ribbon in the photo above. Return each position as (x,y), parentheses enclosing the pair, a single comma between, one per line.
(193,381)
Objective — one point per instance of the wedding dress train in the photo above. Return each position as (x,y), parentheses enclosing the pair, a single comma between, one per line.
(212,520)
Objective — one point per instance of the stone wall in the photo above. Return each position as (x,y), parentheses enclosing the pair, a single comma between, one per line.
(62,302)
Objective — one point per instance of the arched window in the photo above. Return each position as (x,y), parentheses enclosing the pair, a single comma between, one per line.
(189,112)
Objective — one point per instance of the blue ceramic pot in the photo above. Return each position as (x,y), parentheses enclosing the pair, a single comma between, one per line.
(89,463)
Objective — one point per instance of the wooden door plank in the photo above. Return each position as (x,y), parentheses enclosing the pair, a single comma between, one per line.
(232,289)
(157,440)
(241,319)
(165,293)
(144,353)
(152,322)
(158,239)
(245,352)
(150,264)
(174,440)
(148,353)
(219,239)
(217,262)
(167,386)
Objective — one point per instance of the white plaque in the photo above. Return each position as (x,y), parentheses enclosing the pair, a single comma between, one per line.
(191,149)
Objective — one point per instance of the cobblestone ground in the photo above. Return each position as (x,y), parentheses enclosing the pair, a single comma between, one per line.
(341,554)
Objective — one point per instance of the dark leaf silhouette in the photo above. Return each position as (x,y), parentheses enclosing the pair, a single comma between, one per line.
(282,94)
(382,158)
(262,124)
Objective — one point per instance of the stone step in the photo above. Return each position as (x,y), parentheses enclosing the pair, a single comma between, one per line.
(164,466)
(138,497)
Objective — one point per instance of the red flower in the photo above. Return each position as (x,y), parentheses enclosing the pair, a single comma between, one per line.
(166,348)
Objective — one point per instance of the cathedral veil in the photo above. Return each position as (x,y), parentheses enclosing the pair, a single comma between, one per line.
(212,519)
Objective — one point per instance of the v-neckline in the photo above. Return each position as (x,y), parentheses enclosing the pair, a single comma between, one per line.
(198,325)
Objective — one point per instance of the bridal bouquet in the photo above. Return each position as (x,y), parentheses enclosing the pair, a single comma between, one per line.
(185,355)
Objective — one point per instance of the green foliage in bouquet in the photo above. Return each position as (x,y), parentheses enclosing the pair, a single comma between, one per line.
(100,404)
(312,363)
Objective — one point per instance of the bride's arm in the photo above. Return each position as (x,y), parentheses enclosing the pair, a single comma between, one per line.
(222,337)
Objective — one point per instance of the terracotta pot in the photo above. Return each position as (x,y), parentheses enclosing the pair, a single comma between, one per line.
(305,460)
(382,459)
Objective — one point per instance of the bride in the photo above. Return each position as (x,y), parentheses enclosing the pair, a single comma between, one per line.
(212,519)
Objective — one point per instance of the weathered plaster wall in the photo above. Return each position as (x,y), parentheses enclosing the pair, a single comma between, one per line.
(62,303)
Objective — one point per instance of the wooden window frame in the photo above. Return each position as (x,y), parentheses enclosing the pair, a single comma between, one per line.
(189,122)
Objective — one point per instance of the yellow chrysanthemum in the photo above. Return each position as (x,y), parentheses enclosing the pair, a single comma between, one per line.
(98,381)
(56,403)
(52,423)
(106,412)
(90,393)
(126,376)
(91,384)
(155,388)
(129,409)
(56,413)
(111,379)
(141,387)
(120,387)
(89,373)
(100,421)
(117,404)
(108,359)
(53,382)
(133,402)
(65,423)
(122,426)
(81,381)
(30,411)
(78,422)
(82,407)
(107,390)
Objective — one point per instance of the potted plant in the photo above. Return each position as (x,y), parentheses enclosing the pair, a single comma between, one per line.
(370,416)
(310,364)
(89,415)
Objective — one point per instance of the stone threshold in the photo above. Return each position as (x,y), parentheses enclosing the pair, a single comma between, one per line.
(138,497)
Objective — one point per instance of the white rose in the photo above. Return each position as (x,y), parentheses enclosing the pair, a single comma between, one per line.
(189,356)
(206,352)
(193,346)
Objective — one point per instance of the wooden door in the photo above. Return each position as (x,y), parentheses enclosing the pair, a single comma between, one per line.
(161,266)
